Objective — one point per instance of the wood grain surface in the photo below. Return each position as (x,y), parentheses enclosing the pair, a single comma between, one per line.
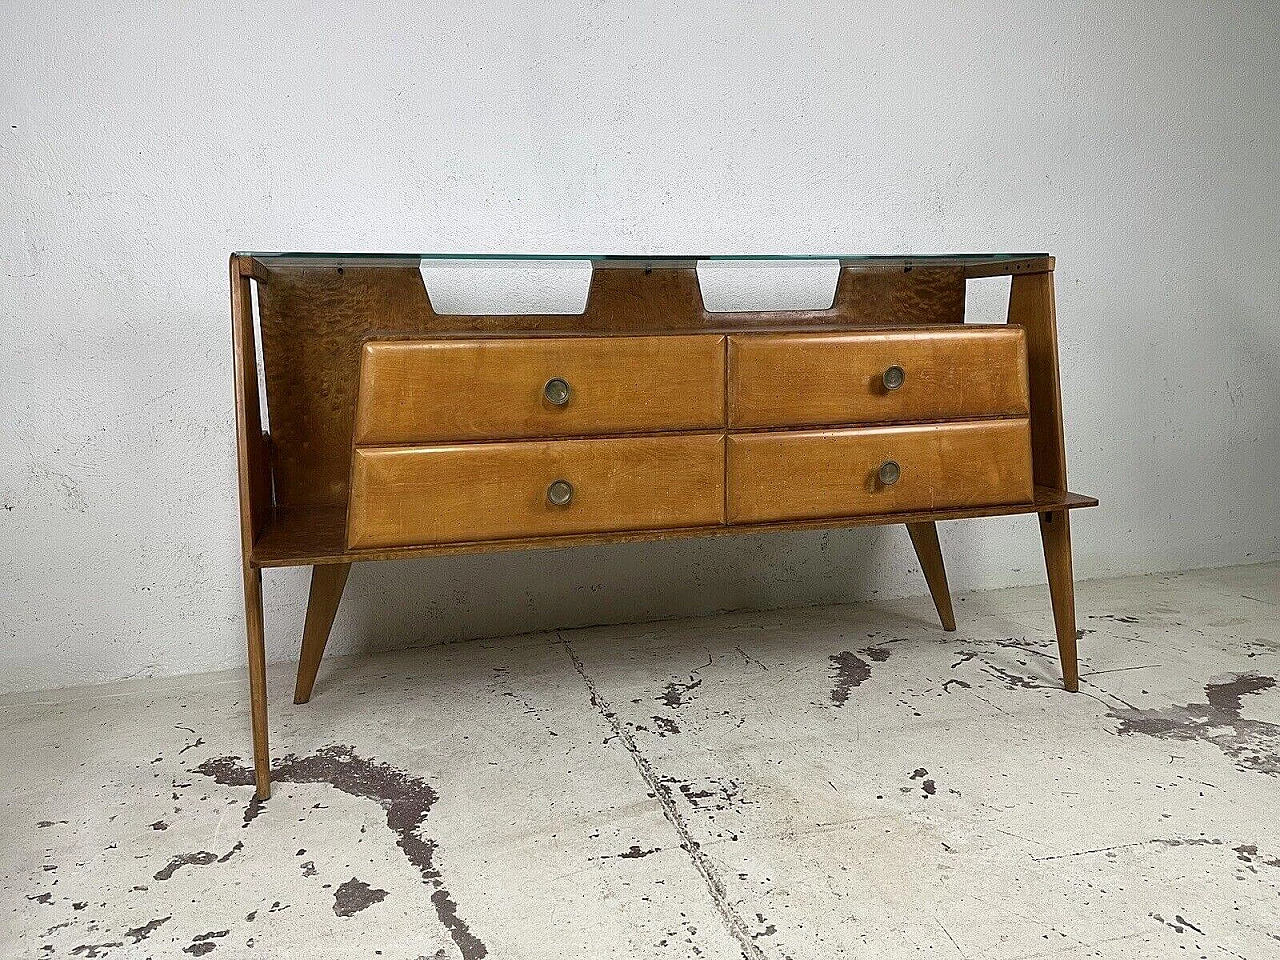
(430,391)
(798,475)
(778,380)
(494,491)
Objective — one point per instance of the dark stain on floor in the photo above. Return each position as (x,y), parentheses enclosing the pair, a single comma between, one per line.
(1179,924)
(406,799)
(355,895)
(674,695)
(201,858)
(710,794)
(1254,745)
(1248,853)
(138,934)
(665,725)
(91,950)
(849,670)
(202,943)
(927,785)
(635,852)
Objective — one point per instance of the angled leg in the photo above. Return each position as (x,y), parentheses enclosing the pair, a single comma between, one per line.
(1055,532)
(924,537)
(327,581)
(257,679)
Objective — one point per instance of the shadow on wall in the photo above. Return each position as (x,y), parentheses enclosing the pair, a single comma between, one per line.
(395,604)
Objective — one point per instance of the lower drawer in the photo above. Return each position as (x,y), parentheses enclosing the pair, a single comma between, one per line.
(812,474)
(409,496)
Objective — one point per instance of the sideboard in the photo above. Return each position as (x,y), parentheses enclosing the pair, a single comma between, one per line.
(390,430)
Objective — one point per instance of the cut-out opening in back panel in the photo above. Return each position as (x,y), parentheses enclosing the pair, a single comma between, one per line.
(738,286)
(986,300)
(498,288)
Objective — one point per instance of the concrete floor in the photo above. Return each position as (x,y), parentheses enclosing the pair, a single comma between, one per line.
(817,783)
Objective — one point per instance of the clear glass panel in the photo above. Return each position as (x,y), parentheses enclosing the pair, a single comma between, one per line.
(632,262)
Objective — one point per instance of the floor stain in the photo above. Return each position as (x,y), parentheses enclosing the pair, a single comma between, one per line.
(203,943)
(928,786)
(1179,923)
(664,726)
(406,799)
(635,852)
(1254,745)
(1248,853)
(92,950)
(849,670)
(138,934)
(355,895)
(202,858)
(675,694)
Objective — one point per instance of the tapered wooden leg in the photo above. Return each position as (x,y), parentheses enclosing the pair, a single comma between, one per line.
(1055,532)
(924,537)
(327,581)
(257,679)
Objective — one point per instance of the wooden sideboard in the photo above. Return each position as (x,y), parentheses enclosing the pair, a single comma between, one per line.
(390,430)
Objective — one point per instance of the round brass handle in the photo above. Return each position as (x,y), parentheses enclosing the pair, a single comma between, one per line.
(889,472)
(556,391)
(560,493)
(894,377)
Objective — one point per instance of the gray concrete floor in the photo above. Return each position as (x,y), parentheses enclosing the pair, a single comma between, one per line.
(817,783)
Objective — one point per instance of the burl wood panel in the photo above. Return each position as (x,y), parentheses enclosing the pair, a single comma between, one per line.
(809,474)
(778,380)
(494,491)
(433,391)
(315,319)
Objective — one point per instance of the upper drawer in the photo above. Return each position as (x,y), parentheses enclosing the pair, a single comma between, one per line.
(420,391)
(779,380)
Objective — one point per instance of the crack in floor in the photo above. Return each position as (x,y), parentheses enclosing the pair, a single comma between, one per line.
(711,878)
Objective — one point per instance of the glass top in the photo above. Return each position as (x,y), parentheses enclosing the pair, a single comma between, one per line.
(277,258)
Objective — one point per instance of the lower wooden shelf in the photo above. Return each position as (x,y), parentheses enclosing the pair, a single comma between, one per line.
(295,538)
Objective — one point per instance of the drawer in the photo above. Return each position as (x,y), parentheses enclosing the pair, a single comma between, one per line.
(816,379)
(811,474)
(433,391)
(404,496)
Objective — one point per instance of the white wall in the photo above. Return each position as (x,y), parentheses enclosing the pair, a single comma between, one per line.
(140,144)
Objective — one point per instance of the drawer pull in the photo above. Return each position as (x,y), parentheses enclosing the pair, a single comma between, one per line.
(889,472)
(560,493)
(894,377)
(556,391)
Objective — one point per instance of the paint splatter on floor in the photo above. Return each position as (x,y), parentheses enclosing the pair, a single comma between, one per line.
(1252,744)
(355,895)
(406,799)
(850,670)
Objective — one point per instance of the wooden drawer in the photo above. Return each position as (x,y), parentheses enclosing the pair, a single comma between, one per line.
(811,474)
(495,491)
(779,380)
(430,391)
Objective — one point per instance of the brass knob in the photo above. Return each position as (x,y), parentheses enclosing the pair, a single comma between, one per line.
(889,472)
(556,391)
(894,377)
(560,493)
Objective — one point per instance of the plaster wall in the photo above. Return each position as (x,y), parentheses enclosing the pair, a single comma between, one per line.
(141,143)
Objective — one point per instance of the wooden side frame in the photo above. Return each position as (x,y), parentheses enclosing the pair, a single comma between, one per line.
(1033,307)
(253,468)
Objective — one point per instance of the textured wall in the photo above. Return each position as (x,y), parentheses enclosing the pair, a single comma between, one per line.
(141,143)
